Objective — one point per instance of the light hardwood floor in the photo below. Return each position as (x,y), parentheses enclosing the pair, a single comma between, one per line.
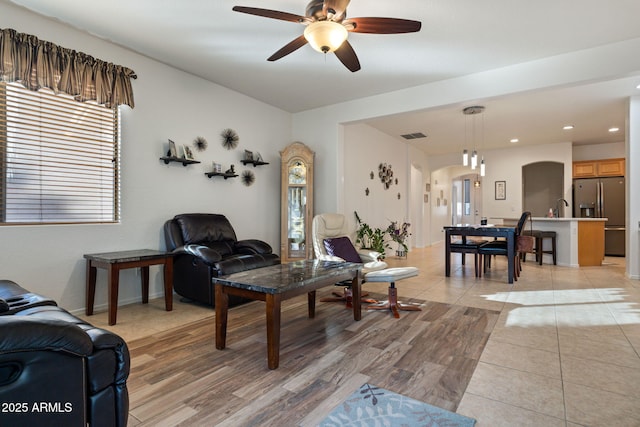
(557,348)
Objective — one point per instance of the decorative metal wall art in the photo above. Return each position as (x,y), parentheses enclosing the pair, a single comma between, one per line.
(385,173)
(248,178)
(200,143)
(229,138)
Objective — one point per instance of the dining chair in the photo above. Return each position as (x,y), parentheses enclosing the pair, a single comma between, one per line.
(499,247)
(466,246)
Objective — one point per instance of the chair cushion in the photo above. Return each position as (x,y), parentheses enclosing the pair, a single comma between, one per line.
(470,243)
(205,228)
(496,247)
(343,248)
(391,274)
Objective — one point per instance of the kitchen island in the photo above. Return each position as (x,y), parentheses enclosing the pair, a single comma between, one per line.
(580,241)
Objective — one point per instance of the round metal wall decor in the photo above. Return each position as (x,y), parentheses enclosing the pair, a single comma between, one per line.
(230,139)
(200,143)
(248,178)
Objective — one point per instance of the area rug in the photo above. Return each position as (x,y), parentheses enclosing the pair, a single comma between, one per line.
(374,406)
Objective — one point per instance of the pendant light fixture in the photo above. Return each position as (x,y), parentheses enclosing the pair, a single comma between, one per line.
(473,111)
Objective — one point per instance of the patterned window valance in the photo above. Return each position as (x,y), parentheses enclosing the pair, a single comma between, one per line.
(36,64)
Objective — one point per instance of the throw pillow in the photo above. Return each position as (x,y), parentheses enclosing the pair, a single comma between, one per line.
(343,248)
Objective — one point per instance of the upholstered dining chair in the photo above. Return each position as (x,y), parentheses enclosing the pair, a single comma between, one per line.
(333,240)
(466,246)
(499,247)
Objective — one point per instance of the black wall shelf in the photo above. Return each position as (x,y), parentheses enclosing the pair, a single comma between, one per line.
(185,162)
(224,175)
(253,162)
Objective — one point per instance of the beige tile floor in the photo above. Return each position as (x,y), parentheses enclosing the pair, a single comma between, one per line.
(565,351)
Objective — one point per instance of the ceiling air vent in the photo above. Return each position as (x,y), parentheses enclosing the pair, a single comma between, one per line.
(415,135)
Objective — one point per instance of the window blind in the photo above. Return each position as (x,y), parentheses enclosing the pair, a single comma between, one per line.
(58,158)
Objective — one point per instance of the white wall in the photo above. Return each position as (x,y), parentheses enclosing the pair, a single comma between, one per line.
(613,150)
(506,165)
(365,148)
(501,165)
(632,175)
(169,104)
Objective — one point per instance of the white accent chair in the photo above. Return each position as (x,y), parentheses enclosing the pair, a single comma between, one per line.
(329,226)
(333,226)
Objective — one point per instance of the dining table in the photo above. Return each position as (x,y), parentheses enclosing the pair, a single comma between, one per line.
(495,231)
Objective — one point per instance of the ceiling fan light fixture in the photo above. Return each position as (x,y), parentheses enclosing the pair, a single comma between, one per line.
(325,36)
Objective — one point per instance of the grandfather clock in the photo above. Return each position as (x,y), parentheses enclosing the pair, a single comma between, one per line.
(296,210)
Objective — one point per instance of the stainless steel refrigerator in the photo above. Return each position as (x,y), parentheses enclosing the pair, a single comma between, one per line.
(603,198)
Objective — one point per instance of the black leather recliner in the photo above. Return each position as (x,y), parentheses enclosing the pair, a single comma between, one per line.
(205,246)
(56,369)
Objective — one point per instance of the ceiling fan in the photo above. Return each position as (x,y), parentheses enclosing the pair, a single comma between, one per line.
(327,28)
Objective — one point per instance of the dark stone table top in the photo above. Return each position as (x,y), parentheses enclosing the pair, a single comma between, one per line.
(281,278)
(127,256)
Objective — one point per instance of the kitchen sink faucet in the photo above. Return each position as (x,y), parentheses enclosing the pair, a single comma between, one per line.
(558,204)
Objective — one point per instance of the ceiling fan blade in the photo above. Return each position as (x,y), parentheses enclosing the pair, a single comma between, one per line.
(268,13)
(348,57)
(382,25)
(294,45)
(337,7)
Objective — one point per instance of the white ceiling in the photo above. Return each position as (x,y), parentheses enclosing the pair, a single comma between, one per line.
(458,38)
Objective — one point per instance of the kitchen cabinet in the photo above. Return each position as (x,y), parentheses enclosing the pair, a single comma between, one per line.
(597,168)
(611,167)
(590,243)
(585,169)
(296,211)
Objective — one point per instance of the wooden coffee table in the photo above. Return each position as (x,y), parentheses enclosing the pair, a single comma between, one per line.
(277,283)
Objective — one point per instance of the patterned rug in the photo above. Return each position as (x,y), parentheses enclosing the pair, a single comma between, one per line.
(374,406)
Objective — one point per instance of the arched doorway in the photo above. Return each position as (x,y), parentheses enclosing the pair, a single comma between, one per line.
(542,187)
(466,199)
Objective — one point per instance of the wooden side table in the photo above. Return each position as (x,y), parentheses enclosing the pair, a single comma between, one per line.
(113,262)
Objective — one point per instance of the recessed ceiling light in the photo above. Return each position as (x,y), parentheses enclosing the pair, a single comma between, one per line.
(614,129)
(567,127)
(638,87)
(514,140)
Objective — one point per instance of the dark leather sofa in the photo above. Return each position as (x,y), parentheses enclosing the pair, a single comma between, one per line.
(205,246)
(55,369)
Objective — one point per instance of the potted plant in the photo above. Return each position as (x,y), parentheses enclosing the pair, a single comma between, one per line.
(370,238)
(399,234)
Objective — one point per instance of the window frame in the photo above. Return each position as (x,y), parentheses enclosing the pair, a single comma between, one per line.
(90,194)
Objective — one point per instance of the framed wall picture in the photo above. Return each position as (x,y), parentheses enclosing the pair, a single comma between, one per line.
(501,190)
(173,151)
(188,154)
